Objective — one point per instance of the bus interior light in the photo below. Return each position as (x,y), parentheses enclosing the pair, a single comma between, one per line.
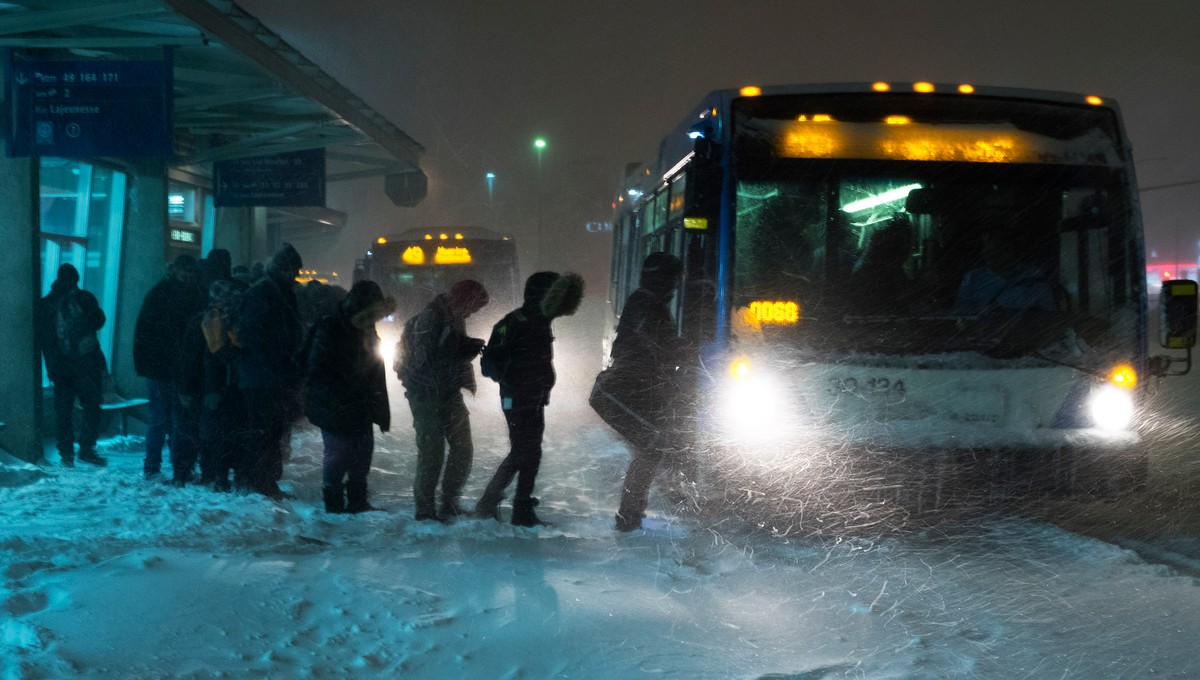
(880,199)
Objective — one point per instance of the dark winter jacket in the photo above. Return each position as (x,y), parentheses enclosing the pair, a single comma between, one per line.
(168,307)
(435,353)
(270,336)
(347,392)
(646,351)
(67,320)
(528,346)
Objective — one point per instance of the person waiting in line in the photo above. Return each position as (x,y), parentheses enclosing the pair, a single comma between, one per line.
(269,336)
(645,354)
(433,363)
(67,321)
(347,394)
(520,356)
(206,390)
(165,311)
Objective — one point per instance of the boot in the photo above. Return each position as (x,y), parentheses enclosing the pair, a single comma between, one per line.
(632,523)
(89,456)
(451,509)
(335,498)
(356,498)
(523,514)
(487,508)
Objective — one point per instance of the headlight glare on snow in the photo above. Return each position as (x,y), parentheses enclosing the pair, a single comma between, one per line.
(753,405)
(1111,407)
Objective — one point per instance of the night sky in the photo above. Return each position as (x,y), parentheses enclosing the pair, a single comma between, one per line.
(475,82)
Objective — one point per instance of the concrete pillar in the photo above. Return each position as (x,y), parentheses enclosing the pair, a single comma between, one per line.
(20,372)
(143,261)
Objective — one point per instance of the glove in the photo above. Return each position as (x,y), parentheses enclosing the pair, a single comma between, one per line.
(473,347)
(211,401)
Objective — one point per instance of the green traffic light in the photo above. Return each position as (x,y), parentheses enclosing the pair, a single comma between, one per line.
(540,143)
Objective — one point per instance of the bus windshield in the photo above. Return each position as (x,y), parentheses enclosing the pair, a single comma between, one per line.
(927,249)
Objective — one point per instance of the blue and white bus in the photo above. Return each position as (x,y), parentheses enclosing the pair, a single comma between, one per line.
(946,275)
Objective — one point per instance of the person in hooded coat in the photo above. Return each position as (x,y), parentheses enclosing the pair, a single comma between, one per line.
(269,336)
(206,385)
(520,356)
(165,311)
(645,353)
(67,319)
(434,365)
(347,394)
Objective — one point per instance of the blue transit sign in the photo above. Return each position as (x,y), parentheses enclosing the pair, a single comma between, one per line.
(292,179)
(85,109)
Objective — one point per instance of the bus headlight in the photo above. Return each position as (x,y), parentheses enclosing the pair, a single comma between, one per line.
(1111,407)
(753,406)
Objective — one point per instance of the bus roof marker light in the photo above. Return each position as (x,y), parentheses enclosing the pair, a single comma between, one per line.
(458,237)
(1094,100)
(966,89)
(428,237)
(750,91)
(443,236)
(923,87)
(880,87)
(381,240)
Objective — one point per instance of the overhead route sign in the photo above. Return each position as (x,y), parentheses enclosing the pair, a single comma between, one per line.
(86,109)
(296,178)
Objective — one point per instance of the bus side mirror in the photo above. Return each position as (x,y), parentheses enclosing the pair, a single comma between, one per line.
(1177,315)
(1176,324)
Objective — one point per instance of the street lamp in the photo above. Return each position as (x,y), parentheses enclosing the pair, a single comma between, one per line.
(539,145)
(491,181)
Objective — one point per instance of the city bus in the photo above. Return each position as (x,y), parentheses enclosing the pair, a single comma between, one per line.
(885,276)
(418,264)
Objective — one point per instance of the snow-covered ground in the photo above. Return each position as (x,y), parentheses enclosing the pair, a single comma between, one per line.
(104,574)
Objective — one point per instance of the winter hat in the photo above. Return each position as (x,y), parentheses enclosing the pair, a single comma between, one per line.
(68,275)
(662,264)
(468,295)
(362,295)
(286,260)
(564,296)
(660,271)
(537,285)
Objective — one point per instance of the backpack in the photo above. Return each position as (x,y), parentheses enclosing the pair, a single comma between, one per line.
(73,330)
(497,354)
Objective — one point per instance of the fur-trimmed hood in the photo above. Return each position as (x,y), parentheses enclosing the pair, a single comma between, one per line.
(564,296)
(365,318)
